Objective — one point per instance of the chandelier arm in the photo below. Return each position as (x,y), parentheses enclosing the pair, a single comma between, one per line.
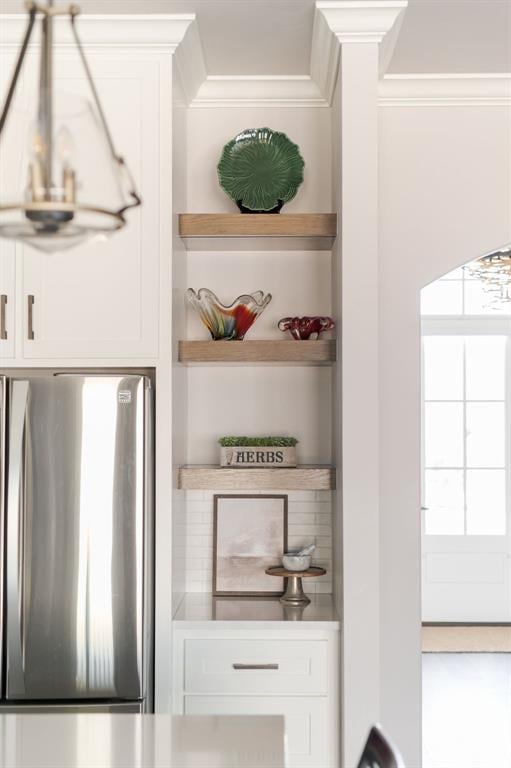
(137,200)
(18,66)
(93,87)
(118,159)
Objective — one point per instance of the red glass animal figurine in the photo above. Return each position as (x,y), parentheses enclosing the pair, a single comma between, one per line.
(301,328)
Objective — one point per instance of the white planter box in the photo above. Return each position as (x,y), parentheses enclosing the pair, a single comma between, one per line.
(257,456)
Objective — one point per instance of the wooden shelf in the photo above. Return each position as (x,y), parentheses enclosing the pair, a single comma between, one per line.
(258,231)
(317,477)
(288,352)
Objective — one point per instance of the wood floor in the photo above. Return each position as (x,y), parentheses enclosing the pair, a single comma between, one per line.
(466,639)
(466,710)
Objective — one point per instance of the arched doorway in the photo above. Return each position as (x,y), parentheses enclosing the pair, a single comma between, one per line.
(466,522)
(466,452)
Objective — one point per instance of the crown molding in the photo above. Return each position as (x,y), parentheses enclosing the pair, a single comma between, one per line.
(163,32)
(337,22)
(361,21)
(445,90)
(189,58)
(262,90)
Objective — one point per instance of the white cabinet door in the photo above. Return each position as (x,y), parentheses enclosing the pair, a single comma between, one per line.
(7,300)
(101,298)
(11,151)
(306,719)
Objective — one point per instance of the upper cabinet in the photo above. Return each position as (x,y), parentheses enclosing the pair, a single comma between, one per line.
(101,299)
(7,248)
(7,301)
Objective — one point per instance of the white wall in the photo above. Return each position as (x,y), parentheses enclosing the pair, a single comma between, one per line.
(445,198)
(209,129)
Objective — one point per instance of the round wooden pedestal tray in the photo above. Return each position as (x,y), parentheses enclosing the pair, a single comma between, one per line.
(294,594)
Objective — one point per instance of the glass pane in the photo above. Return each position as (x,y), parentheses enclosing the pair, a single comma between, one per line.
(486,367)
(486,502)
(443,367)
(478,302)
(444,502)
(485,435)
(456,274)
(442,298)
(443,434)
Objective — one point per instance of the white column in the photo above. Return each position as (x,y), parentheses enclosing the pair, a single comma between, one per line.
(359,29)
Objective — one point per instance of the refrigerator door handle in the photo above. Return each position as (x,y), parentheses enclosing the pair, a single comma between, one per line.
(3,467)
(15,670)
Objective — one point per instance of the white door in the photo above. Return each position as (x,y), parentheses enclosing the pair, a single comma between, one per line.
(466,464)
(10,164)
(101,298)
(7,300)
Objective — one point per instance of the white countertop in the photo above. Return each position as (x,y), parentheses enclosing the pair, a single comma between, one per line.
(140,741)
(198,609)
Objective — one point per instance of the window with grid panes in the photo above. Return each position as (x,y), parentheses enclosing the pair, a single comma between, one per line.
(466,409)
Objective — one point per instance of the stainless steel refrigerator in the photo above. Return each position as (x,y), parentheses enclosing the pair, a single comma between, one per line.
(76,508)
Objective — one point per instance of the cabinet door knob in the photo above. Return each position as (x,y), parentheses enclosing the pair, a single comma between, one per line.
(255,666)
(30,331)
(3,326)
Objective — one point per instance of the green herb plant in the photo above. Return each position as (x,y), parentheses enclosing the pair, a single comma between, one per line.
(273,442)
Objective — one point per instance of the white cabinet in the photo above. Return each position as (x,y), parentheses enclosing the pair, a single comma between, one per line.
(256,666)
(9,167)
(7,300)
(306,722)
(101,298)
(289,672)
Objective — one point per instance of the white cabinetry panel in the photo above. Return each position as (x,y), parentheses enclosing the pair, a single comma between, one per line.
(101,298)
(256,666)
(7,300)
(9,171)
(306,722)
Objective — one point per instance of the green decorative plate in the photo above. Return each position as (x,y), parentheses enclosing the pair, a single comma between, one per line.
(260,170)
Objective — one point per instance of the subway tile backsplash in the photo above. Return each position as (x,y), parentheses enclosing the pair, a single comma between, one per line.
(309,519)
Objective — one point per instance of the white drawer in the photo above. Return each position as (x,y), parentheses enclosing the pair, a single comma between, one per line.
(307,738)
(256,666)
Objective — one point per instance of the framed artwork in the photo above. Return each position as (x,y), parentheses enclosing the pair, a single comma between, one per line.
(249,535)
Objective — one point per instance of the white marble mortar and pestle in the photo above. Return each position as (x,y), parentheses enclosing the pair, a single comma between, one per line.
(298,561)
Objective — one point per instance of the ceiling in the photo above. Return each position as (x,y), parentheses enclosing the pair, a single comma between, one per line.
(273,37)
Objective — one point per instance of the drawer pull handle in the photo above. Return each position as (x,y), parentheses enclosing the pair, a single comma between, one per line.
(255,666)
(30,305)
(3,326)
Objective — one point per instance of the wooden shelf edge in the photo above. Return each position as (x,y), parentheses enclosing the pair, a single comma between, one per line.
(317,352)
(317,477)
(257,225)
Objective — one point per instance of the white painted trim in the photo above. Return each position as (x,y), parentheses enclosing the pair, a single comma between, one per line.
(361,21)
(325,56)
(259,90)
(351,21)
(445,90)
(190,63)
(160,32)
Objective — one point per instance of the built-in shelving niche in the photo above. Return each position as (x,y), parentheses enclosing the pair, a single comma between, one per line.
(242,236)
